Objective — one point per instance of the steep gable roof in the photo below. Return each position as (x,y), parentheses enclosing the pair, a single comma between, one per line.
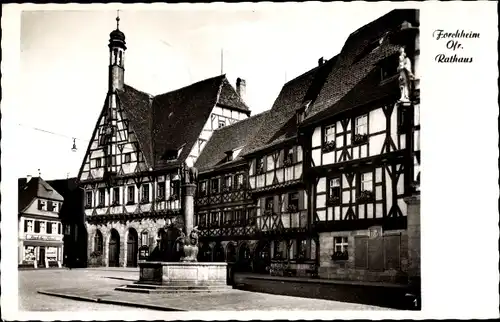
(228,138)
(174,120)
(36,188)
(280,123)
(359,58)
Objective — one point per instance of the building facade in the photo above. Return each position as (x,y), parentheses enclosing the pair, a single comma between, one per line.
(40,241)
(131,172)
(333,165)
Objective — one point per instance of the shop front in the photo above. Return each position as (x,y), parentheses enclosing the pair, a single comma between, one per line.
(42,251)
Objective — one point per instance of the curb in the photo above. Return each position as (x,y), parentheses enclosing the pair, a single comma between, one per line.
(113,302)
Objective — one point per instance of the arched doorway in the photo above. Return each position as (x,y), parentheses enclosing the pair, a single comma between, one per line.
(132,248)
(205,253)
(173,253)
(162,246)
(231,253)
(262,257)
(114,249)
(244,258)
(219,253)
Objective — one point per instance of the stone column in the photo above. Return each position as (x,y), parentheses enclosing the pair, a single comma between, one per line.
(189,190)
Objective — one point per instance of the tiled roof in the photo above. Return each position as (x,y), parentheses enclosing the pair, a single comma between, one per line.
(228,138)
(281,123)
(35,188)
(173,120)
(357,61)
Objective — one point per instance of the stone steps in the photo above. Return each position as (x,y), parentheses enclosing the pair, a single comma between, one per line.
(150,288)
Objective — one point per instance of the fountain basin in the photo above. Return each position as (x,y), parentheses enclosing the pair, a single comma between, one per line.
(183,273)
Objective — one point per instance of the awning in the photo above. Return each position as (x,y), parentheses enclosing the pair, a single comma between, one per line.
(48,243)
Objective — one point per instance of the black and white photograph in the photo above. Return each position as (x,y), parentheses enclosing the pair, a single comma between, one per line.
(224,157)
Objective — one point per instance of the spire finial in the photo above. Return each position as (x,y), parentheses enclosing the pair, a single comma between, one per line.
(117,19)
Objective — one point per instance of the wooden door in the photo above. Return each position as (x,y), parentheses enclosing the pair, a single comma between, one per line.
(132,248)
(41,257)
(114,252)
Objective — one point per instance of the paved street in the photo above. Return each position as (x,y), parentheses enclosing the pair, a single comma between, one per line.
(30,281)
(98,285)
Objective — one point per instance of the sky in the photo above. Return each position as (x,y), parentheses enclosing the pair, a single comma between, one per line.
(64,62)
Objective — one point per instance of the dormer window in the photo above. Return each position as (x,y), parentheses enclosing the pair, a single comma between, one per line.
(229,156)
(42,205)
(302,111)
(203,188)
(170,155)
(389,67)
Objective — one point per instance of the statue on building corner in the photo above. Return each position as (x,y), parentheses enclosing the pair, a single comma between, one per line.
(405,76)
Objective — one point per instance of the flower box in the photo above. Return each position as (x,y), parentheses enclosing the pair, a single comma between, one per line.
(173,198)
(333,201)
(259,171)
(328,146)
(360,138)
(365,196)
(160,198)
(287,162)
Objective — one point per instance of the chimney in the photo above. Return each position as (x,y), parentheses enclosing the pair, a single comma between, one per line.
(241,87)
(28,178)
(321,61)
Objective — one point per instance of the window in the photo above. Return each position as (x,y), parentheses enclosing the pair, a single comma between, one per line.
(55,207)
(222,123)
(293,201)
(269,203)
(203,188)
(42,205)
(259,165)
(215,185)
(127,157)
(160,191)
(288,157)
(335,188)
(279,249)
(170,155)
(140,157)
(214,218)
(340,244)
(98,245)
(330,133)
(238,216)
(88,199)
(238,181)
(28,226)
(130,195)
(116,196)
(229,156)
(301,248)
(403,120)
(102,197)
(37,226)
(144,238)
(98,162)
(366,182)
(67,229)
(50,206)
(270,162)
(145,193)
(42,227)
(361,125)
(49,228)
(227,182)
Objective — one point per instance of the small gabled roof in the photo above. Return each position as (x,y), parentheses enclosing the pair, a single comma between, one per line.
(358,61)
(280,124)
(228,138)
(35,188)
(173,120)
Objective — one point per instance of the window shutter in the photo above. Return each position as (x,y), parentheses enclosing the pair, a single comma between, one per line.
(50,206)
(376,254)
(25,225)
(392,246)
(59,228)
(37,226)
(40,206)
(361,252)
(301,199)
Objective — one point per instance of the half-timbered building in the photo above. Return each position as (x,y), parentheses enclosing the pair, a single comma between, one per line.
(224,208)
(130,173)
(362,152)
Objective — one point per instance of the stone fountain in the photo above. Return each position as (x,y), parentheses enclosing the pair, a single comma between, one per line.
(186,275)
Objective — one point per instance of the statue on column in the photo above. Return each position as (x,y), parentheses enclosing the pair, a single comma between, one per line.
(189,174)
(405,75)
